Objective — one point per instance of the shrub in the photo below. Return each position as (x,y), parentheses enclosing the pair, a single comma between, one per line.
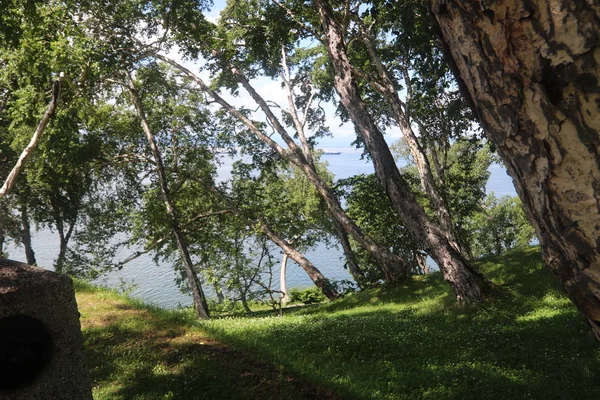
(310,295)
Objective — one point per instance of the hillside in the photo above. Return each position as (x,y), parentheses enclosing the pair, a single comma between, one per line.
(527,341)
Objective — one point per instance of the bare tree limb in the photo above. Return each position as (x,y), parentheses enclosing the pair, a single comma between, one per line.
(12,176)
(222,102)
(285,76)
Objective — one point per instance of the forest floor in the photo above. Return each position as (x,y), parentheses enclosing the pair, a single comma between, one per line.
(406,342)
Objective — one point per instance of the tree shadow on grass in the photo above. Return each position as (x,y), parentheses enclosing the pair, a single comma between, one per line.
(134,354)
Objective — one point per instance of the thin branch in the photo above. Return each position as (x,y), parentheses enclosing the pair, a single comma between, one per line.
(133,157)
(158,242)
(223,103)
(12,177)
(276,105)
(265,108)
(285,76)
(298,21)
(313,92)
(370,80)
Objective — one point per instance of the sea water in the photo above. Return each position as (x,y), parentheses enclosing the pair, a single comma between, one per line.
(155,283)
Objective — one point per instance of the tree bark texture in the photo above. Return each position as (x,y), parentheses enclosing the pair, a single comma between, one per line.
(200,305)
(531,70)
(314,274)
(466,282)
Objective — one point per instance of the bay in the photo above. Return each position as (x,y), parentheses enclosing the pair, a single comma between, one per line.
(155,283)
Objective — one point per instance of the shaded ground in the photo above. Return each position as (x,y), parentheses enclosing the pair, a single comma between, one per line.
(135,352)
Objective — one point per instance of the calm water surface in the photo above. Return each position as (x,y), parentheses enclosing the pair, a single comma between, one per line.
(156,283)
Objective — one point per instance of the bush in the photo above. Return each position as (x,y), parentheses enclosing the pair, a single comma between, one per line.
(500,225)
(307,296)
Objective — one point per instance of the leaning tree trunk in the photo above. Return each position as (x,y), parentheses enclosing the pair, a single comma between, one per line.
(200,305)
(313,273)
(392,265)
(402,115)
(351,261)
(466,282)
(12,176)
(531,71)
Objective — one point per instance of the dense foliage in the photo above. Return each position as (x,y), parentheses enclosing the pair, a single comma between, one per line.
(96,180)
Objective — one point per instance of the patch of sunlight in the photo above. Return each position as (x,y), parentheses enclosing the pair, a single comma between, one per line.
(481,369)
(106,392)
(551,305)
(161,370)
(555,299)
(541,314)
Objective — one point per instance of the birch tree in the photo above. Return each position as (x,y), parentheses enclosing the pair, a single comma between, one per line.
(530,71)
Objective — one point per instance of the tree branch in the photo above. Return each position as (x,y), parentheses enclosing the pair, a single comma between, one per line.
(297,20)
(285,76)
(223,103)
(12,176)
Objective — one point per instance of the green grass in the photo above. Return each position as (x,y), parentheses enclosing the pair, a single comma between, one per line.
(409,342)
(412,342)
(140,352)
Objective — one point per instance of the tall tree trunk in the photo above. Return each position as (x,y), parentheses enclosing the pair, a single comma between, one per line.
(299,124)
(62,247)
(392,266)
(315,275)
(402,115)
(200,305)
(285,296)
(421,262)
(63,238)
(219,293)
(351,261)
(466,282)
(26,236)
(245,304)
(531,71)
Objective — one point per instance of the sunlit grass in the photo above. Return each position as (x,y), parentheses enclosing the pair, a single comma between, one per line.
(527,341)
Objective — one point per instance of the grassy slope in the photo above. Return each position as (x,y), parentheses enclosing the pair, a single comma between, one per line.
(412,342)
(140,352)
(407,343)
